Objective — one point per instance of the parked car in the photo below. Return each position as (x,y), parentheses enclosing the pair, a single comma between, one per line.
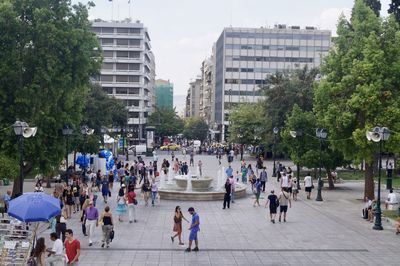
(171,147)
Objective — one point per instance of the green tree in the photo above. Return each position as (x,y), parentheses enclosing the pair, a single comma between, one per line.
(360,90)
(7,167)
(195,129)
(375,5)
(47,55)
(166,121)
(247,123)
(304,150)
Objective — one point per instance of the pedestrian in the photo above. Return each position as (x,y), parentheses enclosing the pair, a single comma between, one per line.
(284,181)
(244,173)
(39,252)
(6,199)
(110,181)
(107,227)
(92,220)
(191,162)
(154,190)
(61,225)
(155,159)
(56,256)
(295,190)
(284,200)
(227,195)
(389,170)
(121,203)
(290,184)
(308,185)
(146,188)
(72,248)
(257,192)
(105,189)
(75,191)
(131,204)
(263,178)
(232,181)
(85,205)
(273,205)
(178,225)
(194,229)
(229,171)
(172,156)
(69,201)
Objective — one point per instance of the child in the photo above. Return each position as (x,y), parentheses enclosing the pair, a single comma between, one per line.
(238,176)
(294,189)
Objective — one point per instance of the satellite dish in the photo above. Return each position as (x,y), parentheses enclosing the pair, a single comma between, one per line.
(293,133)
(29,132)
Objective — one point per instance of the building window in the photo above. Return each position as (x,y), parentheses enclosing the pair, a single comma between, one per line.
(107,66)
(106,78)
(122,30)
(134,91)
(108,90)
(121,91)
(107,30)
(108,54)
(107,42)
(122,42)
(122,79)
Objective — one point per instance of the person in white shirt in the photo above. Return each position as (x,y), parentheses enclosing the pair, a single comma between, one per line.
(56,256)
(391,199)
(308,185)
(284,181)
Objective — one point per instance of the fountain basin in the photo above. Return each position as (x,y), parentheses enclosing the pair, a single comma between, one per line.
(169,193)
(202,184)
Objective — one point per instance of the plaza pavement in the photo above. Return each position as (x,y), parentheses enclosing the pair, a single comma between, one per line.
(331,232)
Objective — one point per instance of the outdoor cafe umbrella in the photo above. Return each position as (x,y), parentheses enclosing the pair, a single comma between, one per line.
(34,207)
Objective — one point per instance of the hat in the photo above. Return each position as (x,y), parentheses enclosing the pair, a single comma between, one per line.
(123,185)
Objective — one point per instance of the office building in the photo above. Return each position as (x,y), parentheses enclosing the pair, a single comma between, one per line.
(164,94)
(245,56)
(128,70)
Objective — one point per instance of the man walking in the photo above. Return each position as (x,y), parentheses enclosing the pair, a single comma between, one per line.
(229,171)
(308,185)
(92,221)
(263,178)
(227,196)
(194,229)
(56,256)
(191,162)
(72,248)
(273,205)
(284,199)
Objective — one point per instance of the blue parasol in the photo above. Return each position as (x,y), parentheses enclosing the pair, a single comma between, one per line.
(34,207)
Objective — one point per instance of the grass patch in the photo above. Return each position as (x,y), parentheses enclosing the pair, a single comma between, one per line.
(390,214)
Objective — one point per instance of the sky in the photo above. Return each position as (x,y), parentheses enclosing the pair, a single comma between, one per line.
(182,32)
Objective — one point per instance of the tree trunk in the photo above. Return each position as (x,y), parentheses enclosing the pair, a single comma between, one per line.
(16,187)
(330,178)
(48,185)
(369,181)
(75,160)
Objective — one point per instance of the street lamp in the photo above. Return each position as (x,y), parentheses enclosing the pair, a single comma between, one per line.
(295,134)
(275,130)
(378,134)
(22,130)
(321,135)
(66,131)
(85,130)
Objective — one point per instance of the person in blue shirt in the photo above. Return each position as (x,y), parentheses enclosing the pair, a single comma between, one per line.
(229,171)
(194,228)
(257,192)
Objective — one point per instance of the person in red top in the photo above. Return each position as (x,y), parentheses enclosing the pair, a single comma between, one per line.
(131,204)
(72,248)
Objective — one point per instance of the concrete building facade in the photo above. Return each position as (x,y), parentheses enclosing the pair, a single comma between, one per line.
(164,93)
(245,56)
(192,108)
(128,70)
(206,91)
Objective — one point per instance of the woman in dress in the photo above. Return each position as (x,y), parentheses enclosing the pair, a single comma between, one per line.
(176,166)
(40,252)
(146,191)
(178,225)
(69,201)
(121,203)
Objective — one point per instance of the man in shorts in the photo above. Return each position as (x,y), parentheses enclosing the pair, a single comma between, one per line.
(284,199)
(273,205)
(194,228)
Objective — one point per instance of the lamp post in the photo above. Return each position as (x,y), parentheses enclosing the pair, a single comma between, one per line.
(321,135)
(22,130)
(85,130)
(275,130)
(379,134)
(295,134)
(66,131)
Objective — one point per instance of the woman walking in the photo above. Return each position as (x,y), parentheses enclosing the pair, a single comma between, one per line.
(110,181)
(131,203)
(121,203)
(107,219)
(146,191)
(69,201)
(40,252)
(105,188)
(178,225)
(154,190)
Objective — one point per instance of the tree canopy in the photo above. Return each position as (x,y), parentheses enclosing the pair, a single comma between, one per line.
(195,128)
(166,121)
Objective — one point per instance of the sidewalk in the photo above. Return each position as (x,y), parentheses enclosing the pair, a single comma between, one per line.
(331,232)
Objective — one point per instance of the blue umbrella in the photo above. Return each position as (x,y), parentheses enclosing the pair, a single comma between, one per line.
(34,207)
